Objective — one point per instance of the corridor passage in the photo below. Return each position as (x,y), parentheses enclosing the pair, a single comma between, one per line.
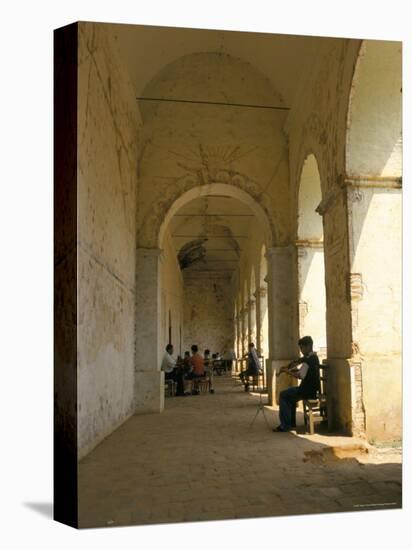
(201,460)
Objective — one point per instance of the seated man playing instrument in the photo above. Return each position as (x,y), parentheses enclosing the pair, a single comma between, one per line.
(308,373)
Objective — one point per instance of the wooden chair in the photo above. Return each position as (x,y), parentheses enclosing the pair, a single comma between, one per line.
(170,388)
(259,380)
(318,406)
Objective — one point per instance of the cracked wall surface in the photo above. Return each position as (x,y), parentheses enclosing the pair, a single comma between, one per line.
(107,141)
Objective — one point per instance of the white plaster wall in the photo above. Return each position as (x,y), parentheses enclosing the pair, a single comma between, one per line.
(107,133)
(312,293)
(374,144)
(376,250)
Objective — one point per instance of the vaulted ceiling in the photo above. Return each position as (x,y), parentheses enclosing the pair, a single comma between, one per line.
(209,234)
(281,58)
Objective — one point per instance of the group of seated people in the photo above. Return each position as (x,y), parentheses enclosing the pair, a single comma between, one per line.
(187,371)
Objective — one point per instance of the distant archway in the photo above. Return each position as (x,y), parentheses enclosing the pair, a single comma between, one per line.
(219,189)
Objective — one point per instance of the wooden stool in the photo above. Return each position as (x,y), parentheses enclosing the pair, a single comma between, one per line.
(170,388)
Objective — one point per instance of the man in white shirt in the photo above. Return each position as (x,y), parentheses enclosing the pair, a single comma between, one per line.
(168,362)
(172,370)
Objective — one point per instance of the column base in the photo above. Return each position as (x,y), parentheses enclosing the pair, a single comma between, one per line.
(149,392)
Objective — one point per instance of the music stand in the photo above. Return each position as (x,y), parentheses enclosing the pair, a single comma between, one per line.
(260,408)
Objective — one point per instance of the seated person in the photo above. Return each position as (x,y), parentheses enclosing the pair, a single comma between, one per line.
(197,364)
(217,364)
(308,373)
(171,370)
(253,366)
(169,363)
(186,363)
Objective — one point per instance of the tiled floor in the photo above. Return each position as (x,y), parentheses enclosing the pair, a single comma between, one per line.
(201,460)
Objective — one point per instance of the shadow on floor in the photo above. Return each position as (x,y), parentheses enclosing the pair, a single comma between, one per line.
(43,508)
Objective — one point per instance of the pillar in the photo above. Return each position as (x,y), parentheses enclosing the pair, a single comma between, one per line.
(374,207)
(245,331)
(258,340)
(237,336)
(260,295)
(149,379)
(283,318)
(252,320)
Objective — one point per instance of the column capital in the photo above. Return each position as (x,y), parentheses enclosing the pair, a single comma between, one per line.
(154,252)
(263,292)
(279,251)
(309,243)
(260,292)
(251,303)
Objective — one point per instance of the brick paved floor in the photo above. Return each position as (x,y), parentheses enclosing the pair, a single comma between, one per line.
(201,460)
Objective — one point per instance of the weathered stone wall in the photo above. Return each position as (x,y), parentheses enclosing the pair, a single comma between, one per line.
(208,313)
(107,145)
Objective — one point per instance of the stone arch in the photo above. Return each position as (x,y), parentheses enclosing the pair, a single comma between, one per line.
(222,189)
(374,119)
(310,256)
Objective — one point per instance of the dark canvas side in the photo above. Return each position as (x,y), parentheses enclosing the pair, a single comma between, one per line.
(65,275)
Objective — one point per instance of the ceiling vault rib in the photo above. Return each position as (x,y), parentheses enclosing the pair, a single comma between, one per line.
(251,106)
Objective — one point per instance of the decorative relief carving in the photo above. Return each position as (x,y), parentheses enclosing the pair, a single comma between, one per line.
(303,309)
(355,286)
(263,292)
(356,195)
(302,251)
(358,405)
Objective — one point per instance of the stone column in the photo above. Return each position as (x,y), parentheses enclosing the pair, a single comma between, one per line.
(252,320)
(258,341)
(260,295)
(374,285)
(283,315)
(149,379)
(237,336)
(241,333)
(246,328)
